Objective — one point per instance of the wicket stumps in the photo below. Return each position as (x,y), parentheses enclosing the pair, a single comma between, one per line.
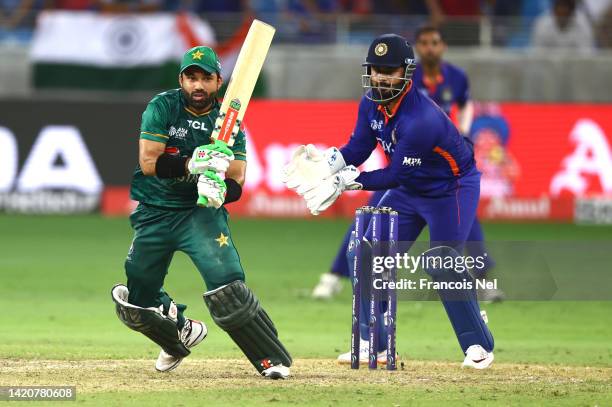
(361,274)
(361,216)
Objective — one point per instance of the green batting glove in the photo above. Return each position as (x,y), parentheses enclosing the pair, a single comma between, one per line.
(215,156)
(211,190)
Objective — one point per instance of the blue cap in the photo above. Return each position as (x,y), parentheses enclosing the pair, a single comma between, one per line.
(390,50)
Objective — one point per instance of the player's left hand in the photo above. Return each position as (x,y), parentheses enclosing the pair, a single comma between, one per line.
(325,194)
(215,156)
(211,190)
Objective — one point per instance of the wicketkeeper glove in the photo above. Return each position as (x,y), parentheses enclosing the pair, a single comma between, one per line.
(215,157)
(211,190)
(325,194)
(309,166)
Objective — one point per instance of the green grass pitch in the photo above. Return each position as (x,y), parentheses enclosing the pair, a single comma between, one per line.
(58,326)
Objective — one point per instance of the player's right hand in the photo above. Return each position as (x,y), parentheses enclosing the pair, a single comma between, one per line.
(215,157)
(309,166)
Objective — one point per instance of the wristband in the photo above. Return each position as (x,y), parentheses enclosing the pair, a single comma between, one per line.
(234,190)
(170,166)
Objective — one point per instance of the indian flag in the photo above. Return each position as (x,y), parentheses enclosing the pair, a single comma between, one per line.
(90,50)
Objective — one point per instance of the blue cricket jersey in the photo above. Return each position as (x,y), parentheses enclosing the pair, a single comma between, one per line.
(427,155)
(450,87)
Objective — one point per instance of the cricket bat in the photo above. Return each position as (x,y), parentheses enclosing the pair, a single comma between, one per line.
(240,88)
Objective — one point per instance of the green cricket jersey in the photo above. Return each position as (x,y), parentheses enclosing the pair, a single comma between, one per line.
(167,119)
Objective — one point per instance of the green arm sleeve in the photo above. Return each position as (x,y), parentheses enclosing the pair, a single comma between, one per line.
(153,126)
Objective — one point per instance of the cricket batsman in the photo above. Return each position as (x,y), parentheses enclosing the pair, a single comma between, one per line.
(431,179)
(178,162)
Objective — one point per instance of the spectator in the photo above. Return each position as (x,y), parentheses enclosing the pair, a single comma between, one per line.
(563,28)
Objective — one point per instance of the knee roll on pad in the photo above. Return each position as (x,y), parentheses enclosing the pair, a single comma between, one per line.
(236,310)
(151,322)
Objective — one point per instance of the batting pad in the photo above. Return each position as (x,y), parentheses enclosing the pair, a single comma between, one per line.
(236,310)
(151,322)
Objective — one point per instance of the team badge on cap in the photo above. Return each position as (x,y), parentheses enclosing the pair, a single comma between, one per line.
(380,49)
(197,55)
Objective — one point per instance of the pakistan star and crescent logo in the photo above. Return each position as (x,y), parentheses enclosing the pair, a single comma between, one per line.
(197,55)
(222,240)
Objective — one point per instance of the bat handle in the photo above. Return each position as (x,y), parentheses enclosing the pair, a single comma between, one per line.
(202,201)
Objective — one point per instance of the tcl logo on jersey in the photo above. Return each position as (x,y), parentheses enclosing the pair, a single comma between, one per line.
(376,124)
(411,162)
(197,125)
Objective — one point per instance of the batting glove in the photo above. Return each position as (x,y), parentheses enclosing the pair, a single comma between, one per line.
(211,190)
(215,157)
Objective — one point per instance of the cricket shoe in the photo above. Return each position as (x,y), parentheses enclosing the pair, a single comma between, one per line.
(328,286)
(193,332)
(364,355)
(477,357)
(276,372)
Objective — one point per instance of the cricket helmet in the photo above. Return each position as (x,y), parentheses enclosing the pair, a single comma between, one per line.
(392,51)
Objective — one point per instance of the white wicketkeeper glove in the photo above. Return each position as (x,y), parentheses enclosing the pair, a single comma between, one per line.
(325,194)
(309,166)
(215,157)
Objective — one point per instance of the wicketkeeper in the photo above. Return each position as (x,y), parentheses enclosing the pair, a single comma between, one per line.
(177,163)
(431,180)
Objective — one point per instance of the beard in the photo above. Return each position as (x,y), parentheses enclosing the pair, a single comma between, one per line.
(199,100)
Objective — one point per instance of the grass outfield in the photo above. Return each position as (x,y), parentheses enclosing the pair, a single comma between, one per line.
(58,326)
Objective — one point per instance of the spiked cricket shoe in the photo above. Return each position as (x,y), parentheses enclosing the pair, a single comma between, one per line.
(276,372)
(192,333)
(477,357)
(328,286)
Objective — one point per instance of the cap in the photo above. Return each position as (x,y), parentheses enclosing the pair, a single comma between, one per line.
(203,57)
(390,50)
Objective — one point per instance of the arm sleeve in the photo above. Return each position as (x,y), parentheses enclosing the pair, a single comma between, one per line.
(154,123)
(362,141)
(239,147)
(408,156)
